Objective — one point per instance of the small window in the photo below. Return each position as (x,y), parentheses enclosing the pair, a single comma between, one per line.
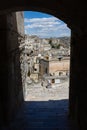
(53,80)
(35,69)
(59,59)
(27,54)
(60,73)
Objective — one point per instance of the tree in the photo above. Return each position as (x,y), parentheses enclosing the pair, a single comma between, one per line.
(50,41)
(58,46)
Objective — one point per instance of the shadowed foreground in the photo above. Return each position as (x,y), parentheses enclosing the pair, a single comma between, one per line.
(43,109)
(42,115)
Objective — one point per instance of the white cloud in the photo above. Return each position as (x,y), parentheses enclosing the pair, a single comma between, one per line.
(46,27)
(33,20)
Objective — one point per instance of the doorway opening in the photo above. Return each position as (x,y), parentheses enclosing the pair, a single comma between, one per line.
(46,85)
(42,58)
(48,38)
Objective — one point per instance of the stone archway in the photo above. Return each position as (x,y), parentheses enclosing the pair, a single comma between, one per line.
(60,9)
(72,13)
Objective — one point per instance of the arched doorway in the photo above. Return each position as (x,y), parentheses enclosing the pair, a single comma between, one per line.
(36,93)
(72,16)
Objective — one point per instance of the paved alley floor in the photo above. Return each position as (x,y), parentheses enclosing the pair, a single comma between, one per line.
(44,109)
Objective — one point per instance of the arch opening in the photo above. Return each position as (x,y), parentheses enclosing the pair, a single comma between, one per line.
(15,31)
(47,52)
(10,97)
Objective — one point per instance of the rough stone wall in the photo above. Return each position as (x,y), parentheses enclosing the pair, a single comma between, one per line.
(78,81)
(14,32)
(24,70)
(23,54)
(3,69)
(58,66)
(20,22)
(11,89)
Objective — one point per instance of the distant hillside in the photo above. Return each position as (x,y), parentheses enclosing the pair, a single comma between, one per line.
(54,42)
(65,40)
(60,41)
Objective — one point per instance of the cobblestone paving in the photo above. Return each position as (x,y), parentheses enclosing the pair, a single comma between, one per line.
(44,109)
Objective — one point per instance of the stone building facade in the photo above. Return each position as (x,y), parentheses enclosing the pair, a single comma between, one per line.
(54,66)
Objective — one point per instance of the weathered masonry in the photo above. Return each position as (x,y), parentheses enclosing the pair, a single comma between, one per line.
(11,91)
(54,66)
(73,13)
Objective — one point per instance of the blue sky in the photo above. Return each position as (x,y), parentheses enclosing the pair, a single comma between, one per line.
(44,25)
